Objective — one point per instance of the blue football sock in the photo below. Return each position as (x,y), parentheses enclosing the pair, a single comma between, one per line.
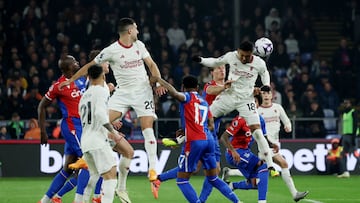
(83,179)
(69,185)
(57,183)
(206,190)
(223,188)
(263,175)
(98,186)
(243,185)
(187,189)
(167,175)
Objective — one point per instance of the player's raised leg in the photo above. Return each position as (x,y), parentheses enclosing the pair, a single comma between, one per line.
(150,144)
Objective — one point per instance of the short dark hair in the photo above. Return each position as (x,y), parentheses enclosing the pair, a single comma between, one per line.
(265,88)
(246,46)
(65,62)
(124,23)
(95,71)
(190,82)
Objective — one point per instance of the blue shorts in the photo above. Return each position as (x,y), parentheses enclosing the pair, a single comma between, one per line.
(247,164)
(202,150)
(217,150)
(217,122)
(71,130)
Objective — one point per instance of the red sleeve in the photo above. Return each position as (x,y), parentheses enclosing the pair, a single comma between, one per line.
(53,92)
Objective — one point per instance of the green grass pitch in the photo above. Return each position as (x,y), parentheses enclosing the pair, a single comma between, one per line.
(323,189)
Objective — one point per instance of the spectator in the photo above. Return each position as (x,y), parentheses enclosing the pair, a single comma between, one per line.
(32,7)
(279,61)
(334,159)
(176,36)
(290,22)
(315,129)
(31,101)
(16,127)
(300,84)
(273,16)
(292,46)
(307,45)
(307,98)
(204,77)
(15,102)
(34,131)
(258,16)
(18,82)
(194,39)
(293,72)
(329,98)
(4,135)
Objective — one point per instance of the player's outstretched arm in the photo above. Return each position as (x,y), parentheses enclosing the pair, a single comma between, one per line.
(155,72)
(226,141)
(113,134)
(41,115)
(210,62)
(81,72)
(172,91)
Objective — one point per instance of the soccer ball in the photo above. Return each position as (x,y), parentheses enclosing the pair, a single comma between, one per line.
(263,47)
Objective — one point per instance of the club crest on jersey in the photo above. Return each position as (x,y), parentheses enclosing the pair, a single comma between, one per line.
(122,56)
(251,68)
(235,123)
(137,51)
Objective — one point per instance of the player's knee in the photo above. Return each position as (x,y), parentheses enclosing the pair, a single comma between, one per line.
(130,153)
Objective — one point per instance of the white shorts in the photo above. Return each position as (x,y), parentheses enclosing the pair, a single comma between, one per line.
(100,161)
(141,100)
(226,103)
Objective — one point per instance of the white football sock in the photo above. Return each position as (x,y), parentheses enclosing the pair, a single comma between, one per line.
(124,166)
(45,199)
(78,198)
(150,147)
(285,174)
(263,147)
(108,190)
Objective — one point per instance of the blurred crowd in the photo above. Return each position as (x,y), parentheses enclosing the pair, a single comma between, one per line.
(34,34)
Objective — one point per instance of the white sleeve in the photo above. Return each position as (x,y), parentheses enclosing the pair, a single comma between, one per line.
(144,52)
(265,77)
(284,118)
(215,62)
(103,56)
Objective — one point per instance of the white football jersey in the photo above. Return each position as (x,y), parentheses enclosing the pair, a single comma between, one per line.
(127,64)
(272,116)
(244,75)
(94,114)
